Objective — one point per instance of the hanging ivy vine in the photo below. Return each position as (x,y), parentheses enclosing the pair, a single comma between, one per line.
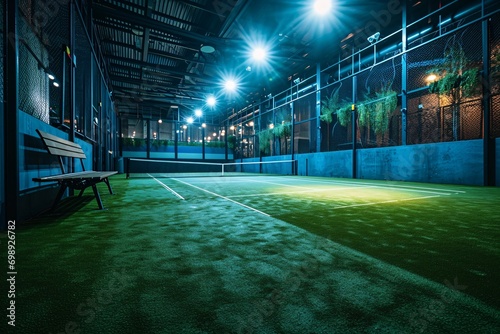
(376,111)
(344,114)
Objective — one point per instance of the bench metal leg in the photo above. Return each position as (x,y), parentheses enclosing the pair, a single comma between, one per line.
(109,185)
(60,194)
(81,192)
(97,197)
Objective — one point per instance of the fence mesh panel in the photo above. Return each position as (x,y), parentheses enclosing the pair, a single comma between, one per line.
(495,76)
(453,114)
(2,52)
(42,35)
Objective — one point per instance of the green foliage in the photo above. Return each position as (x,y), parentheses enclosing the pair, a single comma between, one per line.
(138,142)
(363,114)
(495,65)
(127,142)
(328,106)
(454,76)
(344,114)
(282,130)
(265,137)
(159,143)
(231,142)
(376,111)
(216,143)
(331,105)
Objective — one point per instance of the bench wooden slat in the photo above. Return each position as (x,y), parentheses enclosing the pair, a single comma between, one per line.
(65,153)
(62,147)
(77,175)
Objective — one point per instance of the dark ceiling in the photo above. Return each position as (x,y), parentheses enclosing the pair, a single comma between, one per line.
(166,53)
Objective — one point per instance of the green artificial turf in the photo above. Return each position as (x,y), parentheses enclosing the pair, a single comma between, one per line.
(263,255)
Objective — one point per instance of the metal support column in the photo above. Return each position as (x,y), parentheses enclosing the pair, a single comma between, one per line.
(10,121)
(404,79)
(318,107)
(148,138)
(354,126)
(202,142)
(292,131)
(226,151)
(72,77)
(488,143)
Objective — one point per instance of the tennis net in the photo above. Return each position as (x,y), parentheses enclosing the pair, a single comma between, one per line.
(176,168)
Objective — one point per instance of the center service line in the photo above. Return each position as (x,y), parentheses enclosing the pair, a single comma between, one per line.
(166,187)
(223,197)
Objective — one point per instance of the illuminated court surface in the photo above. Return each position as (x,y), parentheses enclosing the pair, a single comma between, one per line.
(266,254)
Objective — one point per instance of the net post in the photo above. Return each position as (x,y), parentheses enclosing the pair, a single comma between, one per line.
(127,160)
(222,170)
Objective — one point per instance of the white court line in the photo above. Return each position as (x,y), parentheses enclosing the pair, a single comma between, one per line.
(390,201)
(403,187)
(299,192)
(337,182)
(223,197)
(166,187)
(354,184)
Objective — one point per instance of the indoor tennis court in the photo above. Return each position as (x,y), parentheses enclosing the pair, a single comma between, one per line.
(267,253)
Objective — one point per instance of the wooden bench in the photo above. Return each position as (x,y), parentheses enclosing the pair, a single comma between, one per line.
(79,180)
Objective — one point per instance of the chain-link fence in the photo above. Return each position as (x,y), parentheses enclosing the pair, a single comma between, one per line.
(46,68)
(495,76)
(2,52)
(443,92)
(42,35)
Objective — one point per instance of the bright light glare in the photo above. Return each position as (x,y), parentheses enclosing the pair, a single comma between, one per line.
(211,101)
(259,54)
(190,120)
(230,85)
(198,113)
(322,7)
(431,78)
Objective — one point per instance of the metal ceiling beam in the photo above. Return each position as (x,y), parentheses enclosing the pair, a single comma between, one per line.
(155,52)
(159,38)
(159,67)
(153,84)
(134,19)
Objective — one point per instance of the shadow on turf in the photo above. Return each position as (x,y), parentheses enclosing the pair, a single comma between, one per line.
(64,209)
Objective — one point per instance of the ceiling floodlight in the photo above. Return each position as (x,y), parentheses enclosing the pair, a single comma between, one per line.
(259,53)
(198,113)
(56,84)
(190,120)
(322,7)
(211,101)
(230,85)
